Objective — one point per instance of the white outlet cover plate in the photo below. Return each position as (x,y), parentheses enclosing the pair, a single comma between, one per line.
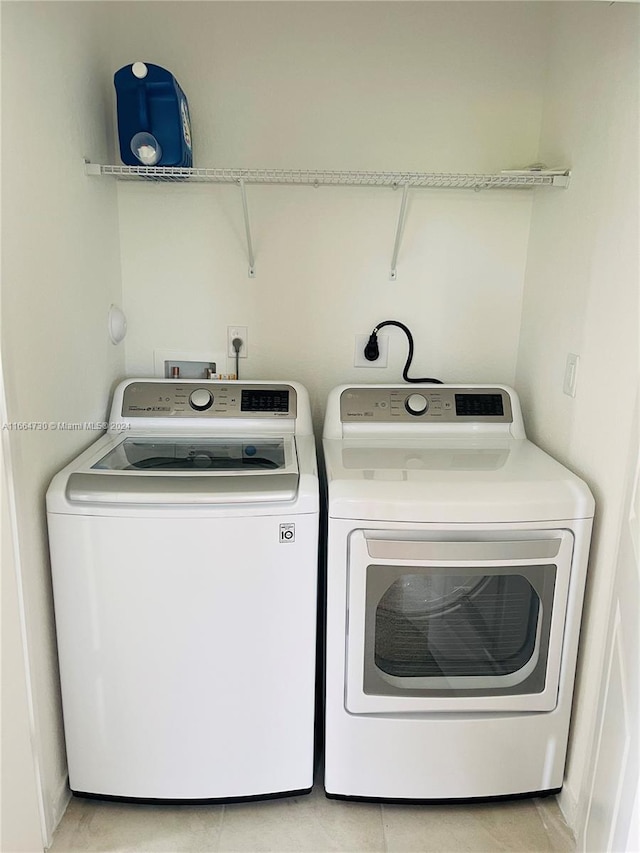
(237,332)
(383,345)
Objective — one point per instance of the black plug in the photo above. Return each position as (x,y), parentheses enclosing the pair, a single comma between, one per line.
(236,343)
(372,350)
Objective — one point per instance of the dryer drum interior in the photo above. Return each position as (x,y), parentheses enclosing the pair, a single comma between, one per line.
(480,630)
(446,625)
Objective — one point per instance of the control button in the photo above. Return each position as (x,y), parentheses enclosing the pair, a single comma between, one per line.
(201,399)
(416,404)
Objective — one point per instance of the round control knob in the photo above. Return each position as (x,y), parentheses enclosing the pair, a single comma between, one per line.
(416,404)
(201,399)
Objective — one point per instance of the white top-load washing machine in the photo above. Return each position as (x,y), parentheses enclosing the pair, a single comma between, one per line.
(457,553)
(184,560)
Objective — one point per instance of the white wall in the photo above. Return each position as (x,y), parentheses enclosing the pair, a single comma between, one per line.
(60,272)
(610,820)
(581,296)
(21,826)
(395,86)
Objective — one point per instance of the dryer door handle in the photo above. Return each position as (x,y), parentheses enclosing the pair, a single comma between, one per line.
(481,551)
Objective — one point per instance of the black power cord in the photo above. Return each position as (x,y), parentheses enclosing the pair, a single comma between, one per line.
(236,343)
(372,351)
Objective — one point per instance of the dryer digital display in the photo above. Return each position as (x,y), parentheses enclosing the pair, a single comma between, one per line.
(479,405)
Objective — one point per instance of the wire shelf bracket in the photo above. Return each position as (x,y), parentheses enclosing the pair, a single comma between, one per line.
(247,228)
(523,179)
(400,228)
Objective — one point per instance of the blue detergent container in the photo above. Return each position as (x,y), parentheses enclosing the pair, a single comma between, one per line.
(154,128)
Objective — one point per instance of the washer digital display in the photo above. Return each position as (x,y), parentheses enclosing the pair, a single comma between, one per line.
(267,400)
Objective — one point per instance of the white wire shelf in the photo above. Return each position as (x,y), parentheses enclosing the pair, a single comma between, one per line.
(317,178)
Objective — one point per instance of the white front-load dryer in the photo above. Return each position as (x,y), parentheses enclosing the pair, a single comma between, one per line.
(184,562)
(456,562)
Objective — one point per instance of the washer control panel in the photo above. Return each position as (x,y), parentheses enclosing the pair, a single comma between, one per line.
(208,400)
(430,404)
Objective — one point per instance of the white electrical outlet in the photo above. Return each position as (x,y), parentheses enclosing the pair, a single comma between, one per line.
(383,346)
(237,332)
(571,374)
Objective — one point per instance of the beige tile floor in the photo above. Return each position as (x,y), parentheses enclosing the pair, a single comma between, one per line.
(312,824)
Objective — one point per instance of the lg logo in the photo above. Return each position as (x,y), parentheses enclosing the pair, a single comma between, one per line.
(287,533)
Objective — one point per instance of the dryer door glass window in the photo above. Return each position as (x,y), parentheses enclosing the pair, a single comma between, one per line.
(464,631)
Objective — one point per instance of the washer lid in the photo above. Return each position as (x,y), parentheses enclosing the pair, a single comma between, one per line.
(194,454)
(193,470)
(450,481)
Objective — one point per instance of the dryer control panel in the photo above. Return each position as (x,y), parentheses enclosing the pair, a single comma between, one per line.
(431,404)
(208,400)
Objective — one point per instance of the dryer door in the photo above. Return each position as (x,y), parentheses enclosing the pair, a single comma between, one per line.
(452,622)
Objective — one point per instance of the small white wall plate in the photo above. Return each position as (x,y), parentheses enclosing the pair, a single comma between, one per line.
(571,374)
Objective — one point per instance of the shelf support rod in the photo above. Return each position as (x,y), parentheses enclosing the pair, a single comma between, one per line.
(396,247)
(247,228)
